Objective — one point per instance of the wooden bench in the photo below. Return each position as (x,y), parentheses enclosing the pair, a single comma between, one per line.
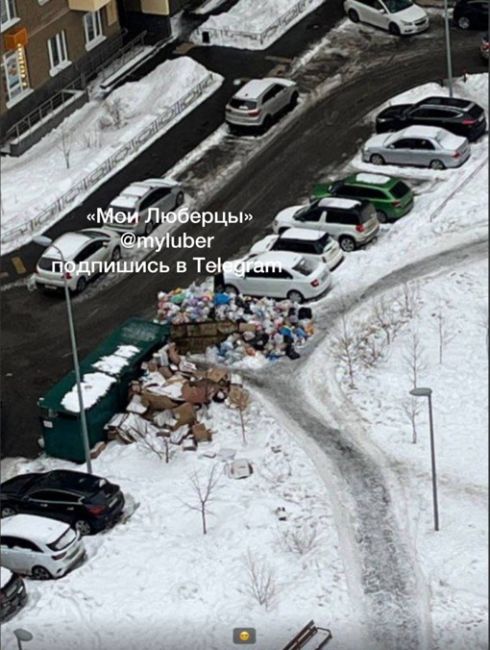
(311,637)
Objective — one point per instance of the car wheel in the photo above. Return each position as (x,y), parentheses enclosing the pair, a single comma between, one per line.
(81,284)
(116,254)
(353,15)
(394,29)
(41,573)
(229,288)
(149,228)
(464,22)
(347,244)
(7,511)
(179,199)
(295,296)
(382,218)
(437,164)
(294,100)
(83,527)
(377,159)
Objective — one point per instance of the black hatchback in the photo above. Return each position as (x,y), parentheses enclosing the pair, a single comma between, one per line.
(88,503)
(459,116)
(471,14)
(13,595)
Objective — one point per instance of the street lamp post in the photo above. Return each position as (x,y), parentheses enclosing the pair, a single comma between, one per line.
(45,242)
(449,63)
(427,392)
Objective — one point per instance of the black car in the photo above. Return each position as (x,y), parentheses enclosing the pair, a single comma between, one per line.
(13,595)
(460,116)
(471,14)
(89,503)
(484,47)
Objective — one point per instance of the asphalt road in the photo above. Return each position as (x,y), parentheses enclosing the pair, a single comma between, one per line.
(35,339)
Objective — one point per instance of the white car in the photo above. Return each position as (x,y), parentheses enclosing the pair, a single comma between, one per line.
(352,223)
(399,17)
(140,206)
(41,547)
(259,101)
(87,246)
(313,244)
(280,275)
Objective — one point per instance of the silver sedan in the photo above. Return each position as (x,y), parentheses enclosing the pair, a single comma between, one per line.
(420,146)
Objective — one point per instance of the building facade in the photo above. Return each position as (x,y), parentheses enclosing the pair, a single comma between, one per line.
(46,45)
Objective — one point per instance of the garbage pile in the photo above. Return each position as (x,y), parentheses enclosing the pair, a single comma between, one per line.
(263,326)
(167,401)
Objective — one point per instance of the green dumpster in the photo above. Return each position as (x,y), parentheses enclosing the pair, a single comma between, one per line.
(105,373)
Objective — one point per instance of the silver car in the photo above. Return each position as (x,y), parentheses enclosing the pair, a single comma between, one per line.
(259,101)
(140,206)
(420,146)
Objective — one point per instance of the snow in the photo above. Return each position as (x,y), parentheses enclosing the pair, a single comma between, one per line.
(345,204)
(114,363)
(208,6)
(159,561)
(33,527)
(69,244)
(305,234)
(94,386)
(374,179)
(5,576)
(246,28)
(34,181)
(253,89)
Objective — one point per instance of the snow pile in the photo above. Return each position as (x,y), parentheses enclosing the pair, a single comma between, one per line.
(94,386)
(114,363)
(247,27)
(90,136)
(157,579)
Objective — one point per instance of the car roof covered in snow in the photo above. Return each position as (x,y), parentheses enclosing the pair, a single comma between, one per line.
(285,259)
(416,131)
(333,202)
(372,179)
(33,527)
(456,102)
(306,234)
(69,244)
(256,87)
(5,575)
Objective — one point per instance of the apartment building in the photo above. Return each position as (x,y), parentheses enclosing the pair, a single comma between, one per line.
(46,45)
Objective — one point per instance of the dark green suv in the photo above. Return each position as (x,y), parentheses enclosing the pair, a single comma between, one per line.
(391,197)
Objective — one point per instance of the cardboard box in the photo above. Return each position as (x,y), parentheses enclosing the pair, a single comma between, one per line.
(184,414)
(158,402)
(219,375)
(97,449)
(201,433)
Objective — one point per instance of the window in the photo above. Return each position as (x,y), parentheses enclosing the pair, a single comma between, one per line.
(405,143)
(424,145)
(24,544)
(92,24)
(58,53)
(9,13)
(343,218)
(88,251)
(271,93)
(46,495)
(14,74)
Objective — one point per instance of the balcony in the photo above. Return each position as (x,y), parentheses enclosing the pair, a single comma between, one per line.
(87,5)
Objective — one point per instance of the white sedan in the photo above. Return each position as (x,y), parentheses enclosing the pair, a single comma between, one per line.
(399,17)
(278,275)
(77,248)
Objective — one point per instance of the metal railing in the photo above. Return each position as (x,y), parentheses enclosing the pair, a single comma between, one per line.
(111,163)
(263,37)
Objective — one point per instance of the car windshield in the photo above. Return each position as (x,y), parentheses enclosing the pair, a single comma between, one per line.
(397,5)
(399,190)
(46,263)
(305,267)
(65,540)
(304,210)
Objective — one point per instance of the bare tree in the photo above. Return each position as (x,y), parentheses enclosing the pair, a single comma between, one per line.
(415,357)
(261,582)
(66,143)
(113,114)
(383,317)
(446,334)
(203,493)
(408,300)
(300,539)
(345,345)
(240,399)
(411,407)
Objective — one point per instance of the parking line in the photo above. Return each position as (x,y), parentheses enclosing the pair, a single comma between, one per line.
(19,265)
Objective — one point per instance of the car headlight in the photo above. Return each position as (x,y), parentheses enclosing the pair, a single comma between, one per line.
(407,22)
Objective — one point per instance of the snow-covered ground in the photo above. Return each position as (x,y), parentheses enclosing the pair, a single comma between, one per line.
(244,27)
(90,136)
(157,581)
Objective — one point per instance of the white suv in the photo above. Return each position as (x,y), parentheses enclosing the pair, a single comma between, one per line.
(259,101)
(313,244)
(87,246)
(399,17)
(279,275)
(41,547)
